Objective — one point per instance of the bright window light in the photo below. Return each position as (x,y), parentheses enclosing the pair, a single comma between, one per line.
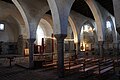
(86,28)
(108,25)
(82,30)
(40,35)
(1,26)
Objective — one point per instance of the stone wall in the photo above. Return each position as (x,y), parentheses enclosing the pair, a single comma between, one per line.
(8,48)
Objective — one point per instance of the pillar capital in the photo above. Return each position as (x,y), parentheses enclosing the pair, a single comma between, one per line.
(101,42)
(60,37)
(101,49)
(31,40)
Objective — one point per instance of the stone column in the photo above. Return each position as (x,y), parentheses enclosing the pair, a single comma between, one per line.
(77,49)
(115,48)
(60,53)
(116,6)
(78,46)
(31,52)
(20,44)
(101,49)
(52,43)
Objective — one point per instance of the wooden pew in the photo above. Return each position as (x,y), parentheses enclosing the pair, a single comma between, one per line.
(90,64)
(83,65)
(104,66)
(117,61)
(74,64)
(53,64)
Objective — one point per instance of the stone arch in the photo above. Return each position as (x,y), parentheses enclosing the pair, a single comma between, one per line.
(93,27)
(19,7)
(32,11)
(12,26)
(91,40)
(48,18)
(98,18)
(60,13)
(72,24)
(18,24)
(22,27)
(91,23)
(15,27)
(10,11)
(46,27)
(73,29)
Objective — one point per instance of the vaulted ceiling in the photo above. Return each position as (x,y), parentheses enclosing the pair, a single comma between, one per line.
(9,1)
(81,7)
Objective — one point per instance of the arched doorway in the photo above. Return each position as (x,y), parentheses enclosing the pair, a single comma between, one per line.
(44,34)
(86,37)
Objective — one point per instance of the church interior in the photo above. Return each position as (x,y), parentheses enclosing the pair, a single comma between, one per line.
(75,39)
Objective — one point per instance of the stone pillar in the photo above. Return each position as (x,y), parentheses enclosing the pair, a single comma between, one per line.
(20,44)
(43,45)
(77,49)
(118,47)
(115,48)
(116,6)
(31,52)
(60,53)
(101,49)
(52,43)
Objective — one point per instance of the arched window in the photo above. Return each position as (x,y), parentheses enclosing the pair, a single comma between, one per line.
(39,35)
(108,32)
(2,26)
(108,25)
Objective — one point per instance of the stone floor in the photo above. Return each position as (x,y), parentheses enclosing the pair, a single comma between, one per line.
(18,73)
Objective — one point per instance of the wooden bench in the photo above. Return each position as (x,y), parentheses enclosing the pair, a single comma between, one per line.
(104,66)
(54,63)
(83,65)
(117,61)
(50,65)
(74,64)
(89,65)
